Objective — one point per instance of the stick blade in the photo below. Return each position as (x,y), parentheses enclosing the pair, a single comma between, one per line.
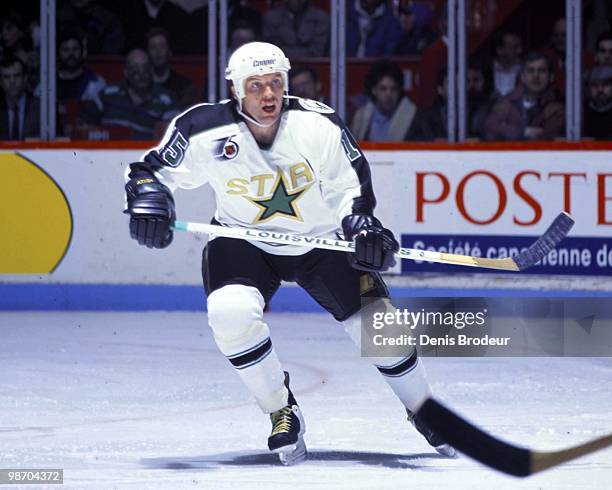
(556,232)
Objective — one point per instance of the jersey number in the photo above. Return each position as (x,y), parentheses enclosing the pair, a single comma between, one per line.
(352,152)
(174,152)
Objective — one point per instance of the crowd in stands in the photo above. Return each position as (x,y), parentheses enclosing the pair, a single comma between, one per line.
(515,90)
(511,96)
(19,61)
(142,33)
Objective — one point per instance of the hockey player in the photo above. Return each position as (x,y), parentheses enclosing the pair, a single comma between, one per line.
(277,163)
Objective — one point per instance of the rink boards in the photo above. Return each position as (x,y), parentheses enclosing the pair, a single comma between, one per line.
(64,225)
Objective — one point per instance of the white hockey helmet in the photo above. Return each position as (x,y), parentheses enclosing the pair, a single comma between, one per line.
(256,58)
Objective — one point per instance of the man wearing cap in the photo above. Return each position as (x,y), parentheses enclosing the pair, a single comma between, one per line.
(598,105)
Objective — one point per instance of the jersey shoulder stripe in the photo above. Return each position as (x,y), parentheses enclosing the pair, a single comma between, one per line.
(314,106)
(194,121)
(204,117)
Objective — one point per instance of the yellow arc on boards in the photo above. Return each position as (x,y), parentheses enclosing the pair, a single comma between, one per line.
(35,218)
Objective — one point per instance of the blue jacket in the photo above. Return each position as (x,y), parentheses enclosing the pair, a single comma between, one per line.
(384,35)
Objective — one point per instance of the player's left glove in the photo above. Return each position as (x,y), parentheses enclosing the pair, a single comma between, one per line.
(375,245)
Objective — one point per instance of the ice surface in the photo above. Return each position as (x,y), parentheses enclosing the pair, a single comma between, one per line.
(144,400)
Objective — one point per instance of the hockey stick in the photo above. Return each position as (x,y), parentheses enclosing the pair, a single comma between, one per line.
(525,259)
(497,454)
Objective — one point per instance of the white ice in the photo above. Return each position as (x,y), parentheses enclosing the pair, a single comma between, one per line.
(144,400)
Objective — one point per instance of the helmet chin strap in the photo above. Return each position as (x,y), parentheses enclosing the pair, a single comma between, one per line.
(249,118)
(257,123)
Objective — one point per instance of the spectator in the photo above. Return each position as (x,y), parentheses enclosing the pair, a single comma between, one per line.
(298,28)
(19,111)
(136,102)
(532,110)
(14,40)
(103,31)
(480,98)
(159,51)
(434,58)
(240,33)
(556,53)
(387,115)
(558,42)
(414,19)
(598,107)
(76,84)
(371,28)
(603,50)
(304,82)
(32,64)
(431,123)
(240,14)
(187,32)
(74,80)
(507,63)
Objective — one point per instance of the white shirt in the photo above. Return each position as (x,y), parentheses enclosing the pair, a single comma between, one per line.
(505,79)
(365,20)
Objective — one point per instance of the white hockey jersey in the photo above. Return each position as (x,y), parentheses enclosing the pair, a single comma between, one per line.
(305,182)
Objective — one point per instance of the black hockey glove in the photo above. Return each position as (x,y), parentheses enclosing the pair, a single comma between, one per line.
(375,245)
(151,208)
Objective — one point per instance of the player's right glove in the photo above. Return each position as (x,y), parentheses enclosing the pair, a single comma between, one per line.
(151,208)
(375,245)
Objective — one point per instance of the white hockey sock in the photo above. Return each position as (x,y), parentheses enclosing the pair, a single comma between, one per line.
(405,375)
(235,314)
(411,385)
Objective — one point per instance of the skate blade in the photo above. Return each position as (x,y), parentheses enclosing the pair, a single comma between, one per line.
(446,450)
(293,454)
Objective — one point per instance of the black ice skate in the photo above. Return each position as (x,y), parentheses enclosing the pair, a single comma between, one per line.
(432,438)
(287,437)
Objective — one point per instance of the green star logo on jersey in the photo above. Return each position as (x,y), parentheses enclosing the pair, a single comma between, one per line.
(282,202)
